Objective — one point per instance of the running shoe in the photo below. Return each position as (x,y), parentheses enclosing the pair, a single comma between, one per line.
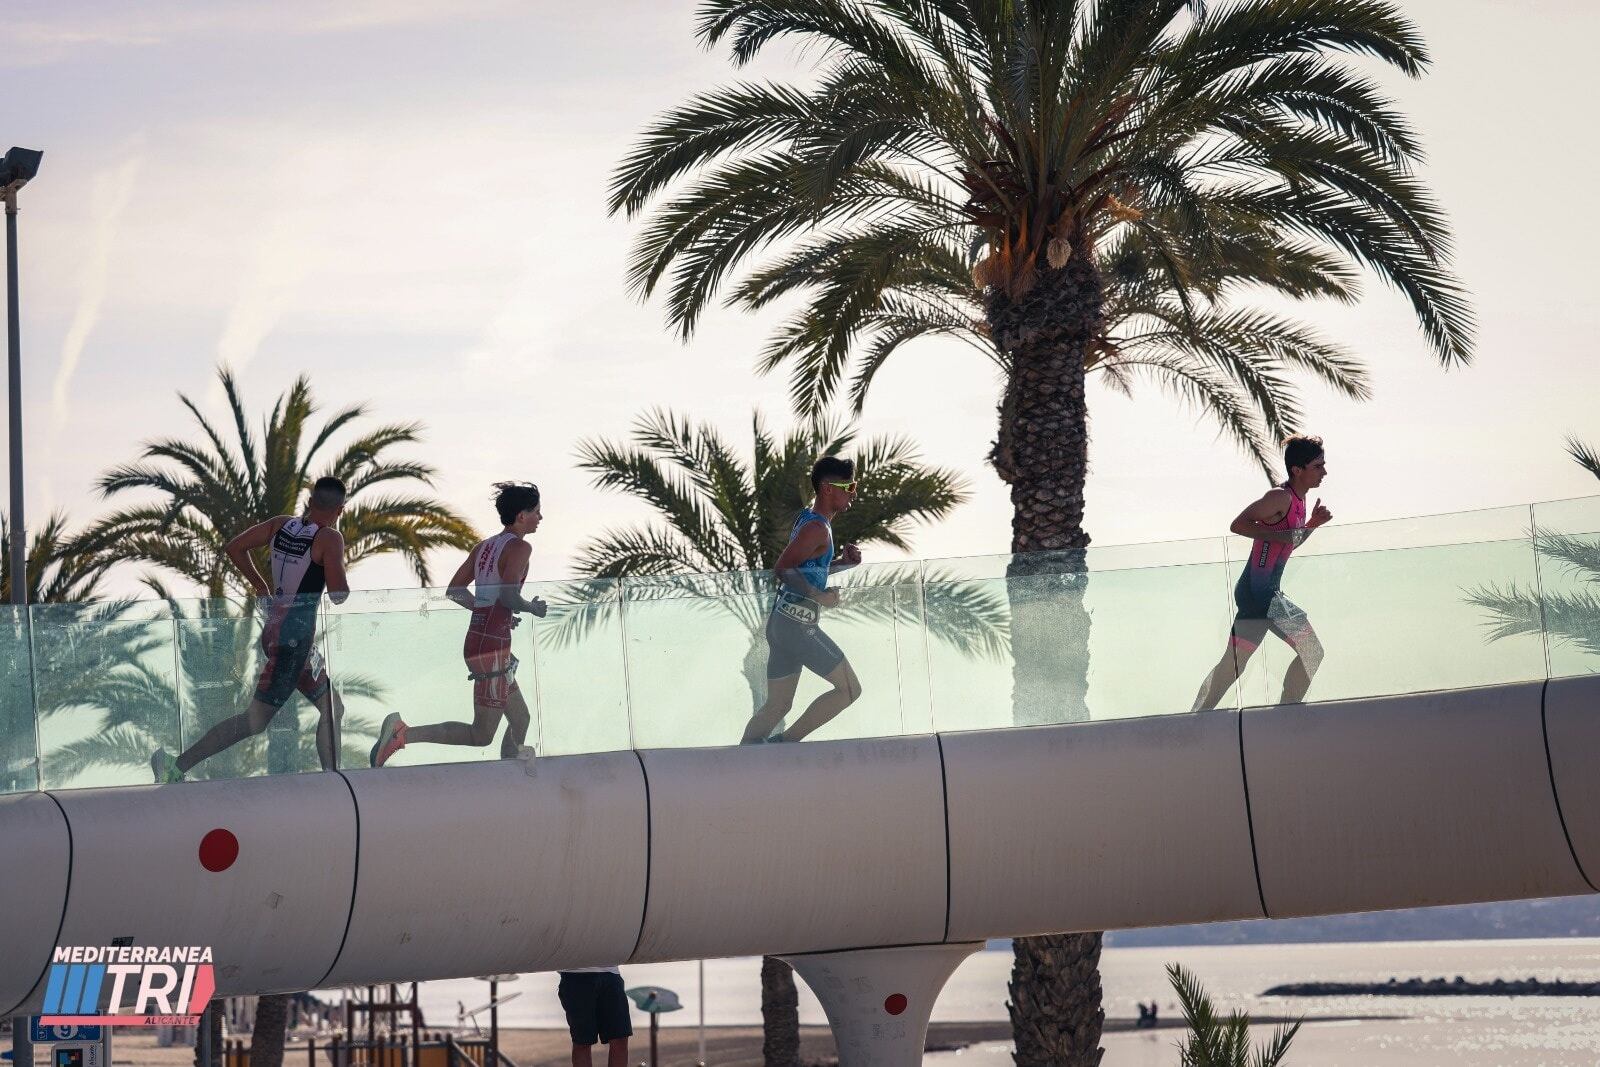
(776,739)
(391,739)
(164,768)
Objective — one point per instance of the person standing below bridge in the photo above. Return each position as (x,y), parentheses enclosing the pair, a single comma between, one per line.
(1276,525)
(596,1004)
(794,633)
(495,569)
(307,558)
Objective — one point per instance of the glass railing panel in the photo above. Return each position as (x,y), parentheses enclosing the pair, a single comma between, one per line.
(577,684)
(1418,531)
(698,655)
(400,650)
(1071,648)
(1567,541)
(19,738)
(1402,621)
(105,686)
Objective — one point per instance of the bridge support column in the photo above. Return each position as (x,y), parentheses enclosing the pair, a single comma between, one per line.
(878,1000)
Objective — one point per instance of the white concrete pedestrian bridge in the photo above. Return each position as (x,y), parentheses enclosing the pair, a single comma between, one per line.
(1448,754)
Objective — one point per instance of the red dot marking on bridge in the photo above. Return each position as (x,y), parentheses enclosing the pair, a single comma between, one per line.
(218,850)
(894,1003)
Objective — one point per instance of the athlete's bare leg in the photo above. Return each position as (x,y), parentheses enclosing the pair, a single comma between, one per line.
(780,698)
(1222,677)
(330,712)
(227,733)
(476,734)
(1307,658)
(846,691)
(516,734)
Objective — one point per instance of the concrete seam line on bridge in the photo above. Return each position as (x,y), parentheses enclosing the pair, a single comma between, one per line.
(944,795)
(66,896)
(649,844)
(355,880)
(1249,817)
(1544,729)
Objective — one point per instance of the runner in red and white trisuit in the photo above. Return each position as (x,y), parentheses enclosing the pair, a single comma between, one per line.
(496,568)
(307,559)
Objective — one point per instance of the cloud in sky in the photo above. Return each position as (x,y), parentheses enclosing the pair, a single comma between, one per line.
(109,198)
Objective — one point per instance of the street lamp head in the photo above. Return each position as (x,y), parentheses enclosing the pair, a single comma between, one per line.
(18,168)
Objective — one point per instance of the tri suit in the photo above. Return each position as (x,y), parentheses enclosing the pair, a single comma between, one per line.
(1258,594)
(290,635)
(794,638)
(490,664)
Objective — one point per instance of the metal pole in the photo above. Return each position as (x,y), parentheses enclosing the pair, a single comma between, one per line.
(494,1025)
(19,533)
(702,998)
(22,1041)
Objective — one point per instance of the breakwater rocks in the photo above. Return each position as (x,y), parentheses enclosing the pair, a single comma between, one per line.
(1438,987)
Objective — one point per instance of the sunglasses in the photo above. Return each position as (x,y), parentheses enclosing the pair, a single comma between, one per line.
(848,487)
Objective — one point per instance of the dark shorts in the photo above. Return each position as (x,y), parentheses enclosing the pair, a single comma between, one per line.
(1262,609)
(293,662)
(596,1006)
(792,644)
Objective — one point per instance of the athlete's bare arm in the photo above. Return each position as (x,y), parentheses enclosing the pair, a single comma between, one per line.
(460,591)
(238,550)
(1253,521)
(513,572)
(330,544)
(810,541)
(849,556)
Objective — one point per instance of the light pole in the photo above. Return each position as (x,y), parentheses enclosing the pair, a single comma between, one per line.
(16,170)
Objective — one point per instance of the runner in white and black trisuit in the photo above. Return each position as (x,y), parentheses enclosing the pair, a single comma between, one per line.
(496,569)
(1276,525)
(307,559)
(794,633)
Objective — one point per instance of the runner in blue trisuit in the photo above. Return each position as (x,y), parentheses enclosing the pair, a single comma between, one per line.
(794,634)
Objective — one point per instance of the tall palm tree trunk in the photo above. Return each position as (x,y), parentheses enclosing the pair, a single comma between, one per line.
(1043,452)
(780,1014)
(267,1035)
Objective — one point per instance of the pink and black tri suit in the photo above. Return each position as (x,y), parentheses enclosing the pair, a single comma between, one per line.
(1262,605)
(490,664)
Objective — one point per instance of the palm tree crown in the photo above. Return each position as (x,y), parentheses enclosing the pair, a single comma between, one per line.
(950,158)
(215,488)
(58,571)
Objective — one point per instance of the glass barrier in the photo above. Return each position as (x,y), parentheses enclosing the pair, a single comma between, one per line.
(1565,603)
(91,691)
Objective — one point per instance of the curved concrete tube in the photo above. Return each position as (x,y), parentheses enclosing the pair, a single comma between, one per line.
(38,853)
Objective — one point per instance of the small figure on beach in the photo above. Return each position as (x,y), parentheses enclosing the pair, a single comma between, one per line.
(597,1010)
(1277,524)
(307,558)
(489,584)
(1147,1016)
(795,639)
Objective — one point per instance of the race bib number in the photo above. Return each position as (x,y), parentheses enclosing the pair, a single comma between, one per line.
(797,608)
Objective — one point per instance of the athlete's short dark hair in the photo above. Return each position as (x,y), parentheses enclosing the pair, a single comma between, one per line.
(327,492)
(1301,450)
(830,469)
(513,498)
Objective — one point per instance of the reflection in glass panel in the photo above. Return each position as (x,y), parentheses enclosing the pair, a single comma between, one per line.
(1567,540)
(104,682)
(1403,621)
(19,741)
(577,684)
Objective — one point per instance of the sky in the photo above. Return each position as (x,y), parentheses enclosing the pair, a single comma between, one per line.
(405,199)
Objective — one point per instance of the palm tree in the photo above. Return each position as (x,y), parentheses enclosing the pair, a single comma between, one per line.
(1213,1041)
(214,489)
(1571,617)
(1071,186)
(58,571)
(726,519)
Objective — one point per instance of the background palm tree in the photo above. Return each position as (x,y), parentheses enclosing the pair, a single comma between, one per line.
(1216,1041)
(726,519)
(1071,185)
(1573,617)
(59,570)
(212,489)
